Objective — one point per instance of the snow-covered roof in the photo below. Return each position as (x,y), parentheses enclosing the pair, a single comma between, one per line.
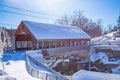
(51,31)
(89,75)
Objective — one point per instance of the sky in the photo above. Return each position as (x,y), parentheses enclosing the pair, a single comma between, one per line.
(50,10)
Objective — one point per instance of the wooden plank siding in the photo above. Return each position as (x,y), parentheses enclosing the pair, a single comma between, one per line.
(43,44)
(24,36)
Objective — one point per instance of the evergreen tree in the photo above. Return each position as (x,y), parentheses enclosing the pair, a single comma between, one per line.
(118,22)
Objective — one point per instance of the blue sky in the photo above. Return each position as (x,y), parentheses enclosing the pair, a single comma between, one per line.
(107,10)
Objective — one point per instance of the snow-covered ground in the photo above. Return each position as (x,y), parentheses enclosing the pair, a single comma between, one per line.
(96,39)
(14,63)
(103,39)
(89,75)
(17,69)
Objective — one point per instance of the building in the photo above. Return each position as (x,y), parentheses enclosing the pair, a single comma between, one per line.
(32,35)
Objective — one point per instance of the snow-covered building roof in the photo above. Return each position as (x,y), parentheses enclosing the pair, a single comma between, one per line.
(51,31)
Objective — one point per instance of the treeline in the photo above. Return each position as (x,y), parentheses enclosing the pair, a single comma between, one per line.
(113,28)
(94,29)
(6,38)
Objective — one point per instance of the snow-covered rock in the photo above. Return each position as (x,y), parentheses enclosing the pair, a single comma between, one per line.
(100,55)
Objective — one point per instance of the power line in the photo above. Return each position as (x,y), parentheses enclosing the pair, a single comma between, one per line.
(3,5)
(23,9)
(21,14)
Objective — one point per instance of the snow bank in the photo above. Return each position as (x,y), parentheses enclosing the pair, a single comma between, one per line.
(53,62)
(100,55)
(116,70)
(109,34)
(89,75)
(103,39)
(39,68)
(96,39)
(37,54)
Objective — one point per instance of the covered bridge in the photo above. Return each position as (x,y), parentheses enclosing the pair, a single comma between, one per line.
(33,35)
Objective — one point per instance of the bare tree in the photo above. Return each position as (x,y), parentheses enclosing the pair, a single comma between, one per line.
(99,26)
(94,29)
(65,20)
(110,29)
(78,19)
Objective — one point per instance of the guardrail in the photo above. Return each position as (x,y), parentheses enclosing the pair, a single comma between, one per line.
(39,73)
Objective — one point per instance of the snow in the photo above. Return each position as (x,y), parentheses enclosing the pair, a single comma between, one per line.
(100,55)
(96,39)
(104,39)
(116,70)
(0,67)
(103,58)
(57,62)
(33,65)
(17,69)
(42,69)
(51,31)
(37,54)
(37,65)
(33,51)
(110,34)
(89,75)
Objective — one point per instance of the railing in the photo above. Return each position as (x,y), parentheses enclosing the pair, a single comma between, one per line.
(63,50)
(40,73)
